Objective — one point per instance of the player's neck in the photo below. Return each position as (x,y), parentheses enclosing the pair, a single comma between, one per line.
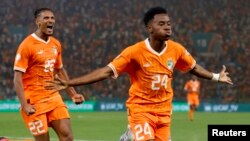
(42,36)
(157,45)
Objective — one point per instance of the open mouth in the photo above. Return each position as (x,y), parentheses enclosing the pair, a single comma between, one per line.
(50,28)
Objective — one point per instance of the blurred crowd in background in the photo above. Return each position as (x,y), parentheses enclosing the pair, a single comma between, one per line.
(93,32)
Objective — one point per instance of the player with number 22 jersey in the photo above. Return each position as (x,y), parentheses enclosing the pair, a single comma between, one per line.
(37,59)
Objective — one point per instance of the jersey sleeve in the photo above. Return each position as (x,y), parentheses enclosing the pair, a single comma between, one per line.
(22,58)
(59,62)
(185,62)
(121,62)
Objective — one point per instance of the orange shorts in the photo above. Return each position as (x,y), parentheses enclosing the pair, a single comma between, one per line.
(193,99)
(38,123)
(147,126)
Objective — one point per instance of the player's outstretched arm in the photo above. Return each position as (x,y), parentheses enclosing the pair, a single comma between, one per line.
(92,77)
(223,76)
(76,97)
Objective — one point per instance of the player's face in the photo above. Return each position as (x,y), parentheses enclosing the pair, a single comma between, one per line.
(46,22)
(160,27)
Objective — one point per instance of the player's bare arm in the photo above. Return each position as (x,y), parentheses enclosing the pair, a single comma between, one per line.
(92,77)
(220,77)
(76,97)
(18,83)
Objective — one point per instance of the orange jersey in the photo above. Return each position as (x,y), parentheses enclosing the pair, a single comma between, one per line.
(192,86)
(151,74)
(37,60)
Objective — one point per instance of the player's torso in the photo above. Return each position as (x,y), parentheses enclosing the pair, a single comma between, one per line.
(151,75)
(193,87)
(42,58)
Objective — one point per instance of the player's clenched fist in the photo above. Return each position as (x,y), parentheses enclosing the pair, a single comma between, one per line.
(78,99)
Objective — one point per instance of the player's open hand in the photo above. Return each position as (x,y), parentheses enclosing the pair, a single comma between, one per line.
(224,76)
(78,99)
(56,85)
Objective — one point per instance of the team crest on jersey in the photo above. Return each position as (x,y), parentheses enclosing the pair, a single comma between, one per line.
(55,50)
(170,64)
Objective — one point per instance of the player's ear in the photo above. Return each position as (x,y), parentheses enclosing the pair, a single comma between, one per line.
(38,23)
(149,28)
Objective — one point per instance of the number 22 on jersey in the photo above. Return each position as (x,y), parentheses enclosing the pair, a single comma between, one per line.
(49,65)
(36,127)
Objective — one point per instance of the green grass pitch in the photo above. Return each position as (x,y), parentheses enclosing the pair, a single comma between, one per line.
(108,126)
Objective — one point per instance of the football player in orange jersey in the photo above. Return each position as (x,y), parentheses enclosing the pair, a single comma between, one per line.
(150,64)
(192,87)
(38,59)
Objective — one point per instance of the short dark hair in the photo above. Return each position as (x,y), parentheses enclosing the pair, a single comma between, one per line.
(40,10)
(149,15)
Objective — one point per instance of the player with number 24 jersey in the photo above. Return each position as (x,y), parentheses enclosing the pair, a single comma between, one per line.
(151,75)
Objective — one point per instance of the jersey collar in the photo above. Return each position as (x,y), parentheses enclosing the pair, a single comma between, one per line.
(39,39)
(152,50)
